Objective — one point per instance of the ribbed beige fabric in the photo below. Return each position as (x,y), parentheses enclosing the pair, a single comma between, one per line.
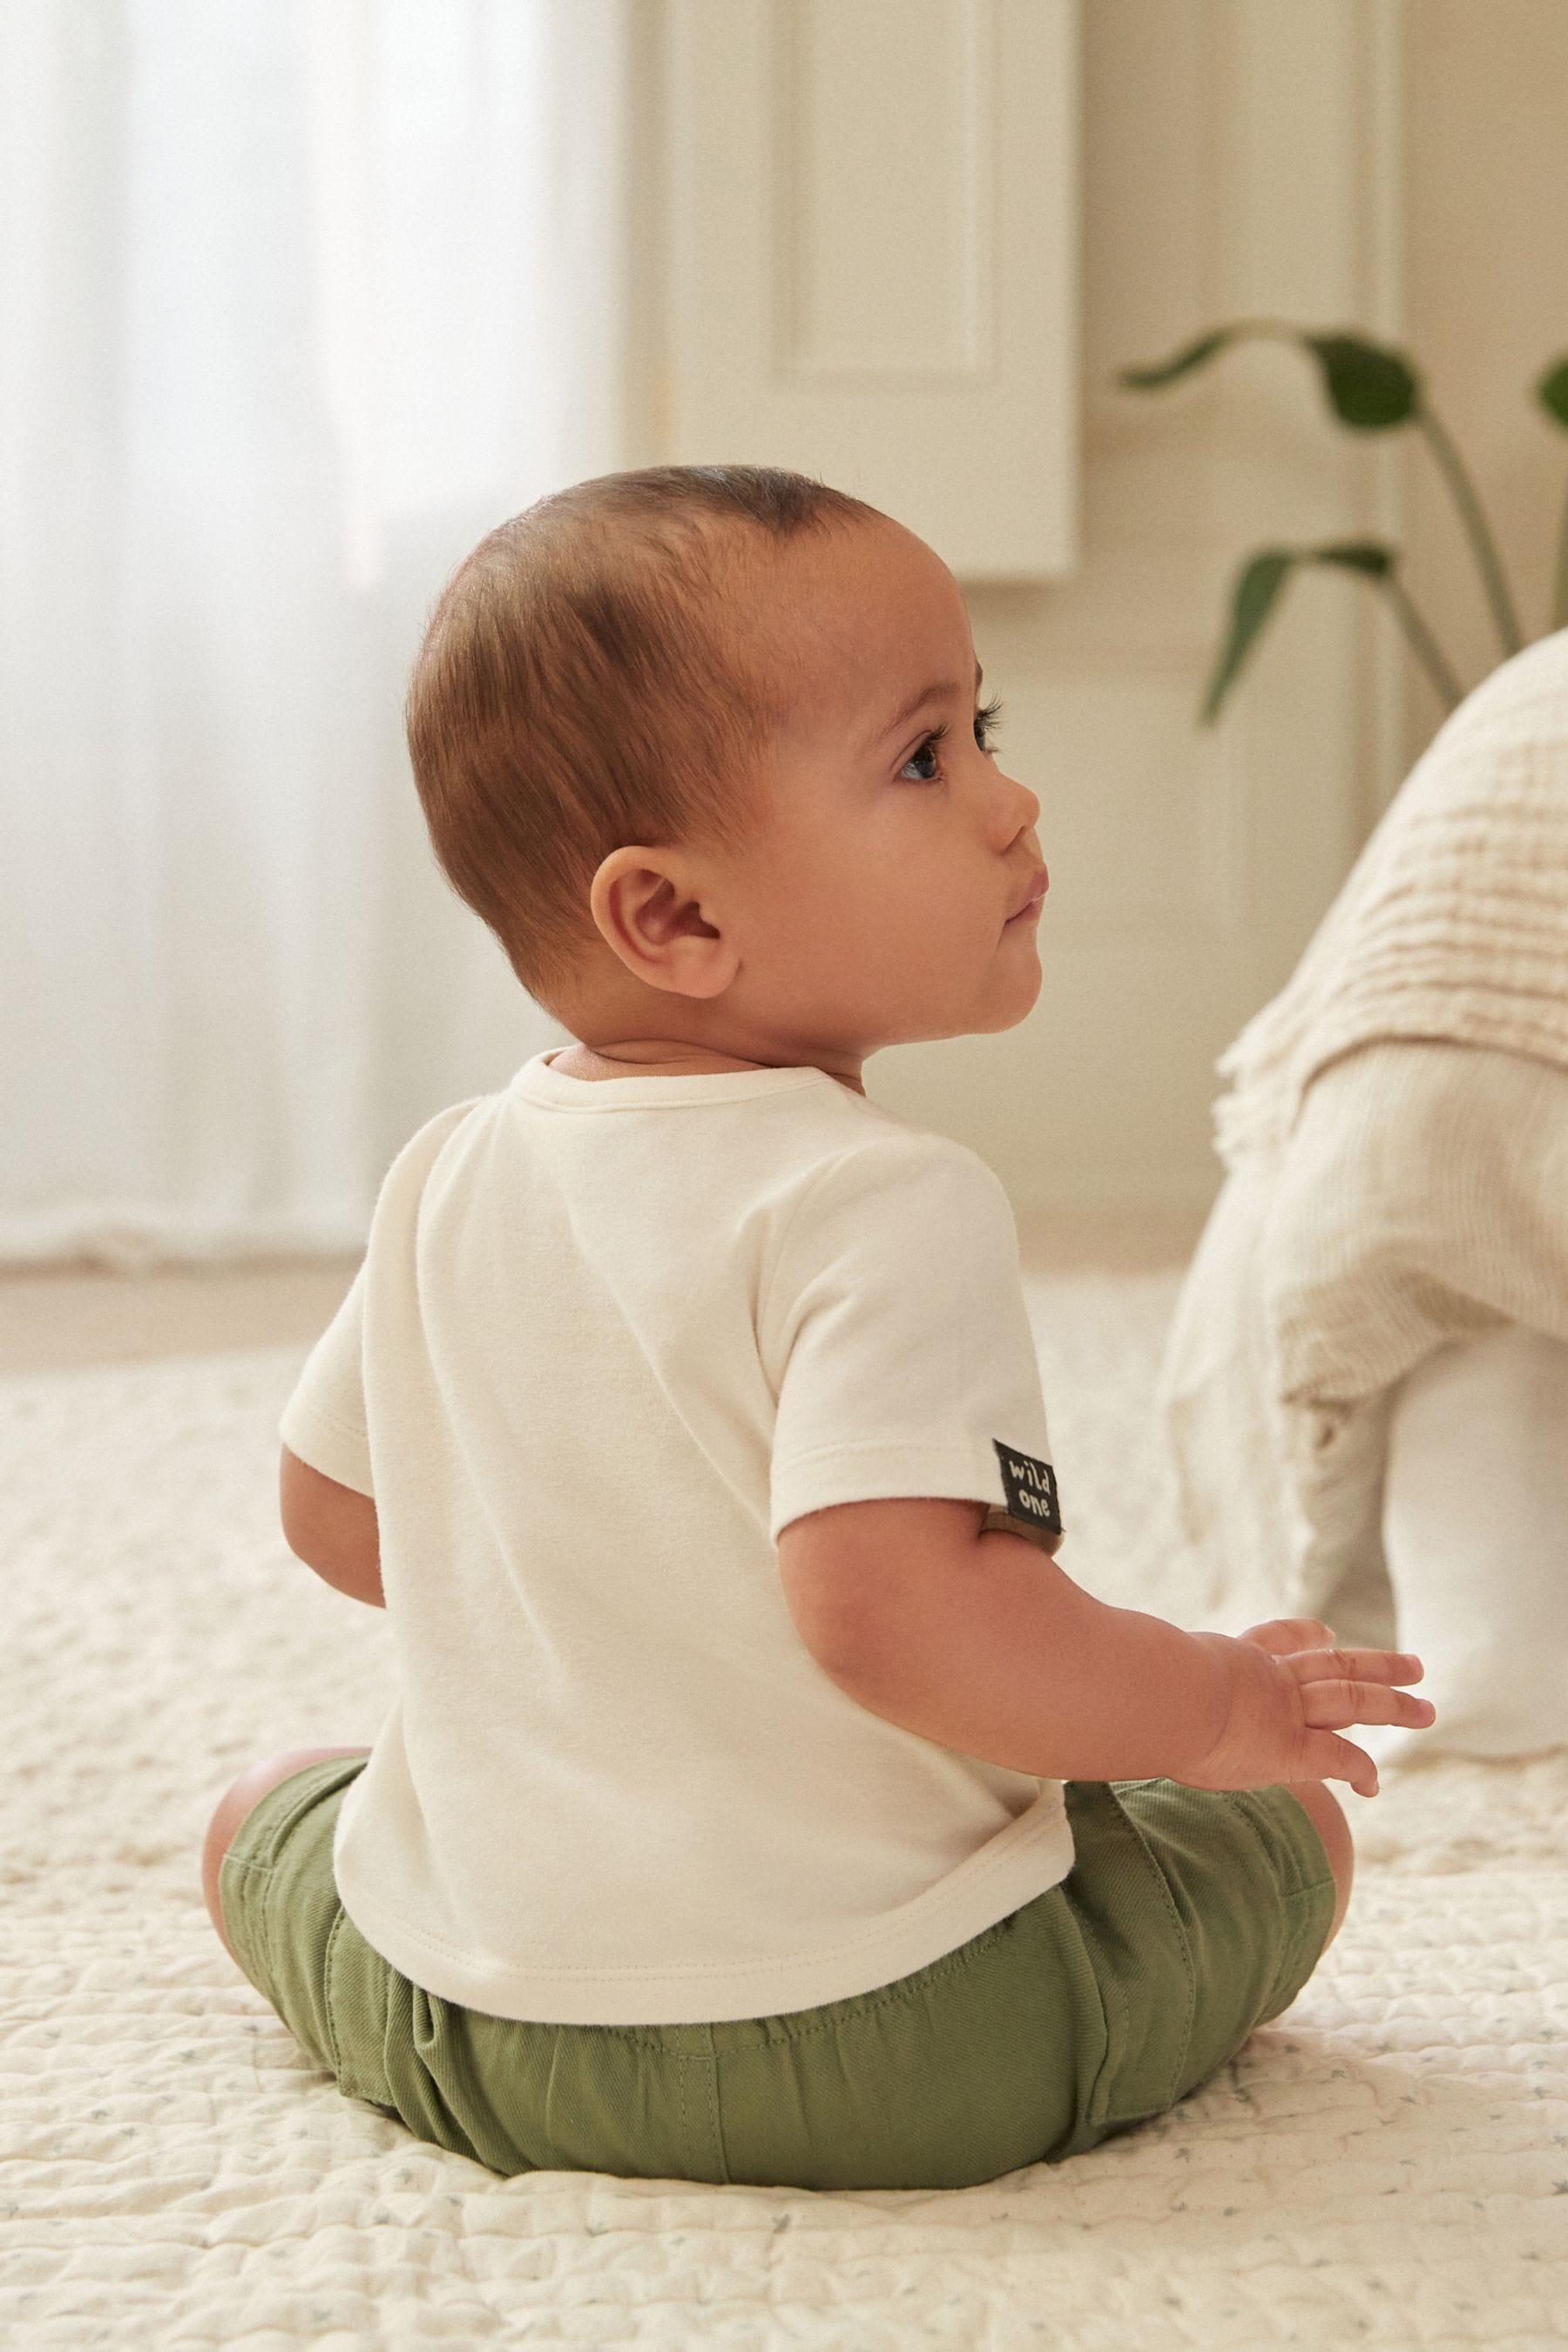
(1454,922)
(1396,1140)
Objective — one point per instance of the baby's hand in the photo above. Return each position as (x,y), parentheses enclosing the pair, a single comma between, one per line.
(1291,1692)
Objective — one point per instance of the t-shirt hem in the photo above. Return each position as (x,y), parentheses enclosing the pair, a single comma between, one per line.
(327,1443)
(1022,1862)
(881,1470)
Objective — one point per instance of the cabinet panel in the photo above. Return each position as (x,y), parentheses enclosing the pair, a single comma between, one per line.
(846,290)
(871,134)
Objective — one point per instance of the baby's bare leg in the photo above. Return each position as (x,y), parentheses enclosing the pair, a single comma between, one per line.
(1329,1821)
(237,1800)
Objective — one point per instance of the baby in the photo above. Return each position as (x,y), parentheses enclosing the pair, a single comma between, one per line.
(760,1802)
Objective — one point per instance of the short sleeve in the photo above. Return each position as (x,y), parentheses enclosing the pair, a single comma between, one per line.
(324,1420)
(895,1334)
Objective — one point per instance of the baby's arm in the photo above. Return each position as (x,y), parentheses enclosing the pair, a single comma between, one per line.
(332,1529)
(980,1642)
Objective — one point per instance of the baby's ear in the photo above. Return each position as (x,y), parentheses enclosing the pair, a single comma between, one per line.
(650,911)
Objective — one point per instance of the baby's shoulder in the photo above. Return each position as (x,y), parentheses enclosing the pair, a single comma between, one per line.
(901,1190)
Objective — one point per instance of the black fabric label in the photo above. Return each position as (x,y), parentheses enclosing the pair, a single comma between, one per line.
(1034,1505)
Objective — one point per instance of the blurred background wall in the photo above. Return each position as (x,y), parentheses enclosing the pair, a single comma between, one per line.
(1393,167)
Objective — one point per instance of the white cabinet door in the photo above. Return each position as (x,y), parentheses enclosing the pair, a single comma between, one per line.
(870,260)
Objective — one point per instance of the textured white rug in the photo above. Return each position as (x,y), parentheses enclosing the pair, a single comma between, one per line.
(1385,2165)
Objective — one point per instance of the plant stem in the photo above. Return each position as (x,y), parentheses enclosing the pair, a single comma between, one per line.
(1560,594)
(1424,644)
(1453,470)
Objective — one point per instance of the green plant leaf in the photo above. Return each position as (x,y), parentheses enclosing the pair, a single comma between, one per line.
(1190,356)
(1257,591)
(1553,391)
(1368,555)
(1369,387)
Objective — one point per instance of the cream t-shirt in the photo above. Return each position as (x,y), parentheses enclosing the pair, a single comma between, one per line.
(608,1339)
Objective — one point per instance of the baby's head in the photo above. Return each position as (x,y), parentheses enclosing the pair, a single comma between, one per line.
(662,726)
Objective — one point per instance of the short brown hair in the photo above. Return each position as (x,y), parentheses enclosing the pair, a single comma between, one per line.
(585,683)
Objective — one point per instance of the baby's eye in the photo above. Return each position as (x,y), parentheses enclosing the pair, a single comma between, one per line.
(985,720)
(926,750)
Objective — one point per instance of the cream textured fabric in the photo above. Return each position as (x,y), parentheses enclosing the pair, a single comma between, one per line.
(1396,1140)
(1454,922)
(609,1338)
(1379,2167)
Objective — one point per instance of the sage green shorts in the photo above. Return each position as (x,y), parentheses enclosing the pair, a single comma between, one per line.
(1188,1917)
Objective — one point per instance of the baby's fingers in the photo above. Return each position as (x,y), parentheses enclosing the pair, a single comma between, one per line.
(1330,1705)
(1328,1759)
(1355,1665)
(1281,1635)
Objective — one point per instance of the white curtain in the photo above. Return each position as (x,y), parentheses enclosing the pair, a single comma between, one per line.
(298,298)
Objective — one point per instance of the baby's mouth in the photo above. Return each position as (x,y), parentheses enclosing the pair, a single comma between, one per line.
(1031,905)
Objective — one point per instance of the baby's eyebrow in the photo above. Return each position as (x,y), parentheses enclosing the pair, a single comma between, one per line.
(942,691)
